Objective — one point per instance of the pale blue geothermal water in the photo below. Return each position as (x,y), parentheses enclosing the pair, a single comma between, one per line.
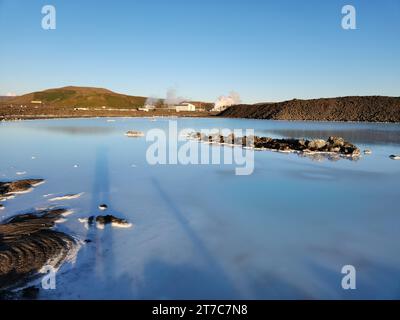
(202,232)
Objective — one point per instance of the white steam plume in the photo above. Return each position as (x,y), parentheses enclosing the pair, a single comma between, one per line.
(151,101)
(172,98)
(226,101)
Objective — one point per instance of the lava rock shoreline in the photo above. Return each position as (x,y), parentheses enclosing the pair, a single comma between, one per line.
(333,145)
(10,189)
(28,242)
(354,108)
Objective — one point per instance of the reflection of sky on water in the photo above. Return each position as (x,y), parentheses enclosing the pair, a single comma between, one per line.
(201,231)
(89,130)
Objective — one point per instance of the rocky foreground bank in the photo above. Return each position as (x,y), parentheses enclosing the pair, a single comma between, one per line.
(333,145)
(29,242)
(10,189)
(363,108)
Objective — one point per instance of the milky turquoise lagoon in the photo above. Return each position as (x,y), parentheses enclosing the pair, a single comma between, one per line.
(202,232)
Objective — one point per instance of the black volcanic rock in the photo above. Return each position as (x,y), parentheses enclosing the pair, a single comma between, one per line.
(362,108)
(28,242)
(101,221)
(332,145)
(12,188)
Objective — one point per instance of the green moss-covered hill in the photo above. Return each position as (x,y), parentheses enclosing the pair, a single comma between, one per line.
(80,97)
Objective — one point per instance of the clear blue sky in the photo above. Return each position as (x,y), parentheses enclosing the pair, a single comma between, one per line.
(264,50)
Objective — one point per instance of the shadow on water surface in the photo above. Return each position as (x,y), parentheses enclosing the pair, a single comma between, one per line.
(100,252)
(160,280)
(199,281)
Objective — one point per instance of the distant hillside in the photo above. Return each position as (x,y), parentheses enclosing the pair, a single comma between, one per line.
(80,97)
(368,108)
(86,97)
(5,98)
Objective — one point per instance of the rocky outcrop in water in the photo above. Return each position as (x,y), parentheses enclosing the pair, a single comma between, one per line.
(67,197)
(12,188)
(134,134)
(103,207)
(28,242)
(336,145)
(101,221)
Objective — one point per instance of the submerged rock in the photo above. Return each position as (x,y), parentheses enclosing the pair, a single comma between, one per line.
(394,157)
(28,243)
(134,134)
(12,188)
(2,207)
(367,151)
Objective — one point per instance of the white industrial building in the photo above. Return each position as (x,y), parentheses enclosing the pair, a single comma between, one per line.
(185,106)
(149,106)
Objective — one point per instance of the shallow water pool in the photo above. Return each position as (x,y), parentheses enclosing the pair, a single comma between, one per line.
(202,232)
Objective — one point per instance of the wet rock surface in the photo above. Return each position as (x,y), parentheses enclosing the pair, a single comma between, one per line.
(103,207)
(11,188)
(101,221)
(336,145)
(28,242)
(67,197)
(30,293)
(110,219)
